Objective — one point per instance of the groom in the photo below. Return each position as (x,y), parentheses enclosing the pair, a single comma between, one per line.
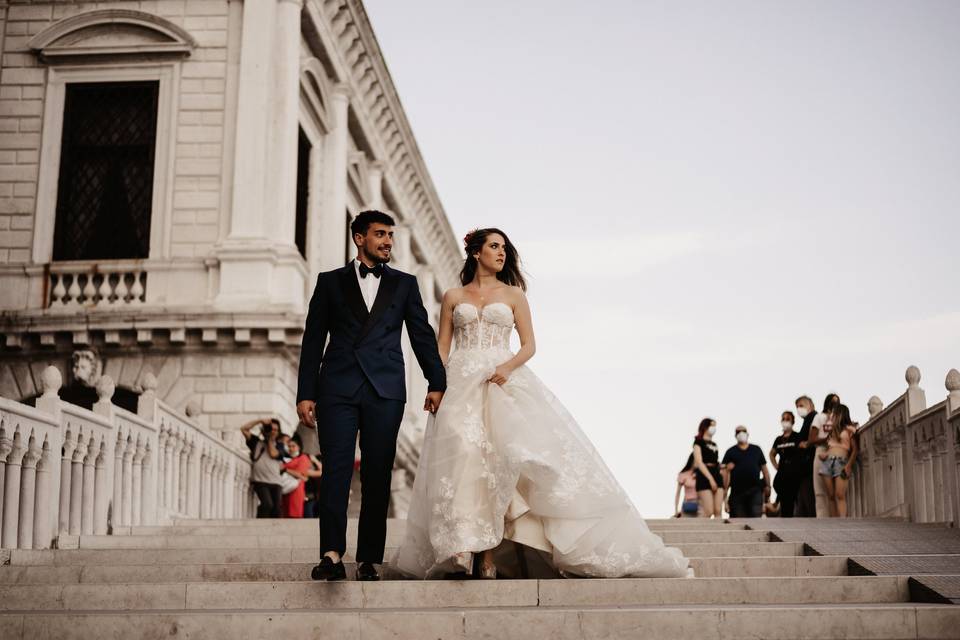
(357,385)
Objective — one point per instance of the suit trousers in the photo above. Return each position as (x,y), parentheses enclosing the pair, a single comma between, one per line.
(339,420)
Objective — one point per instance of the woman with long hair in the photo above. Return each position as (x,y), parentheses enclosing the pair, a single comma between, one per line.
(686,482)
(706,461)
(836,464)
(507,482)
(819,428)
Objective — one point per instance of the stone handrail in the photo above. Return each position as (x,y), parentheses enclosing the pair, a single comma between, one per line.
(907,465)
(66,470)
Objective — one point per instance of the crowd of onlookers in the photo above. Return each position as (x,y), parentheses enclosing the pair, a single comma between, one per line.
(813,465)
(286,469)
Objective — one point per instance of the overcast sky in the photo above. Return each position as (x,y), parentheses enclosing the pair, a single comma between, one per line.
(721,206)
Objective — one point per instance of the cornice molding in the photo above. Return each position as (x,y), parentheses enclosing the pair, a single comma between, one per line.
(381,115)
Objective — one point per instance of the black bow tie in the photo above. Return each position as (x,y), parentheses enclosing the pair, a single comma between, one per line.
(376,270)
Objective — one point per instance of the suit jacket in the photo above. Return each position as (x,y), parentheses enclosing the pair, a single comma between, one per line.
(365,345)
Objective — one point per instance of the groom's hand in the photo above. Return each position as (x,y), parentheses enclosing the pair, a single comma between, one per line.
(307,411)
(432,403)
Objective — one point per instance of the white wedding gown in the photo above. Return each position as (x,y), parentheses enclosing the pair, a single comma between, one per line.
(510,463)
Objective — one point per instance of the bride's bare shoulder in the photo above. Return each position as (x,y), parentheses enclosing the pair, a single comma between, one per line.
(452,296)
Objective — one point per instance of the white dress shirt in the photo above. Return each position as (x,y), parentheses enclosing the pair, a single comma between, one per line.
(368,286)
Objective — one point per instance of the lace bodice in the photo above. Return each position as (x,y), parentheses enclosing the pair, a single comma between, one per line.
(487,328)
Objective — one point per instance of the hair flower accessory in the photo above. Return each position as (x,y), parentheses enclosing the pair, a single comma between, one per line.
(467,238)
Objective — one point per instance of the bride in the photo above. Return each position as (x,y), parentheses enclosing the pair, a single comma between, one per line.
(506,480)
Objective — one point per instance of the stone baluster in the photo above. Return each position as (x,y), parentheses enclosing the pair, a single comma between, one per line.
(118,446)
(69,444)
(879,475)
(101,489)
(127,506)
(76,484)
(195,477)
(137,507)
(28,493)
(42,535)
(169,472)
(6,446)
(184,477)
(11,491)
(208,487)
(941,503)
(929,482)
(149,487)
(161,465)
(217,493)
(87,494)
(175,473)
(951,480)
(203,486)
(104,480)
(919,484)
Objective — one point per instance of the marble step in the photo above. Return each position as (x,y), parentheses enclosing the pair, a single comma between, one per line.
(244,540)
(219,554)
(99,573)
(446,594)
(736,622)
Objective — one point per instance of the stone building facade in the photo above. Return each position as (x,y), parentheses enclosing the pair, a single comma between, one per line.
(173,176)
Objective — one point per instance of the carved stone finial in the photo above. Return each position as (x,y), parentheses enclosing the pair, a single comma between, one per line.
(953,381)
(52,380)
(105,388)
(148,382)
(192,409)
(874,405)
(953,389)
(913,376)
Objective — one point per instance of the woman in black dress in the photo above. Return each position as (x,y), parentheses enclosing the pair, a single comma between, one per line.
(706,461)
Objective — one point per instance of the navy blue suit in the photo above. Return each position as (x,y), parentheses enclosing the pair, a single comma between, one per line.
(359,385)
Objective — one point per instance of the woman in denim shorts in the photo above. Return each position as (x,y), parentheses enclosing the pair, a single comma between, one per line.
(836,463)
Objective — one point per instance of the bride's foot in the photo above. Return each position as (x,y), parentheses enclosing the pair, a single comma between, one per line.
(463,560)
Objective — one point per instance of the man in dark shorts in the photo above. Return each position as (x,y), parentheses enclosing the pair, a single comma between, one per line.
(745,464)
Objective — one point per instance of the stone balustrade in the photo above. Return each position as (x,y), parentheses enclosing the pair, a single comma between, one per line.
(907,465)
(66,470)
(109,283)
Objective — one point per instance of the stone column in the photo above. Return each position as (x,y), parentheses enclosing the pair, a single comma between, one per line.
(28,494)
(919,485)
(930,482)
(161,467)
(941,502)
(331,227)
(375,178)
(11,491)
(168,473)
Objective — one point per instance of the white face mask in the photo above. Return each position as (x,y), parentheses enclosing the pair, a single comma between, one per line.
(712,430)
(802,412)
(742,437)
(786,425)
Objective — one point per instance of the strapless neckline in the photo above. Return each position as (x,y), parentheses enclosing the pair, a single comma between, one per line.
(480,310)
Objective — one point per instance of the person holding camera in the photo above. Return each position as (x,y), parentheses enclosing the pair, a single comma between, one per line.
(266,458)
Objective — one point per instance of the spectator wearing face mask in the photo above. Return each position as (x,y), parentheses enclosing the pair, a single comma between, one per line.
(706,462)
(819,432)
(747,478)
(805,506)
(786,457)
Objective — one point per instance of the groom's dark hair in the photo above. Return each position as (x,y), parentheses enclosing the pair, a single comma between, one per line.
(364,219)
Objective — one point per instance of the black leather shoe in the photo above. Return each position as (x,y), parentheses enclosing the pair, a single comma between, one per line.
(367,572)
(329,570)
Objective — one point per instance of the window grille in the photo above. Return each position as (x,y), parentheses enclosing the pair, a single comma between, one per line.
(105,186)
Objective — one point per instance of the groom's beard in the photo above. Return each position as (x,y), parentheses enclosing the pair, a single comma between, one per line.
(375,257)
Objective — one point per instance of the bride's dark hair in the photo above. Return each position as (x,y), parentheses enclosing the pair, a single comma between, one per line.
(473,243)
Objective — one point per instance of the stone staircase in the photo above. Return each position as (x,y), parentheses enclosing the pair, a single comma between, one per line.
(250,579)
